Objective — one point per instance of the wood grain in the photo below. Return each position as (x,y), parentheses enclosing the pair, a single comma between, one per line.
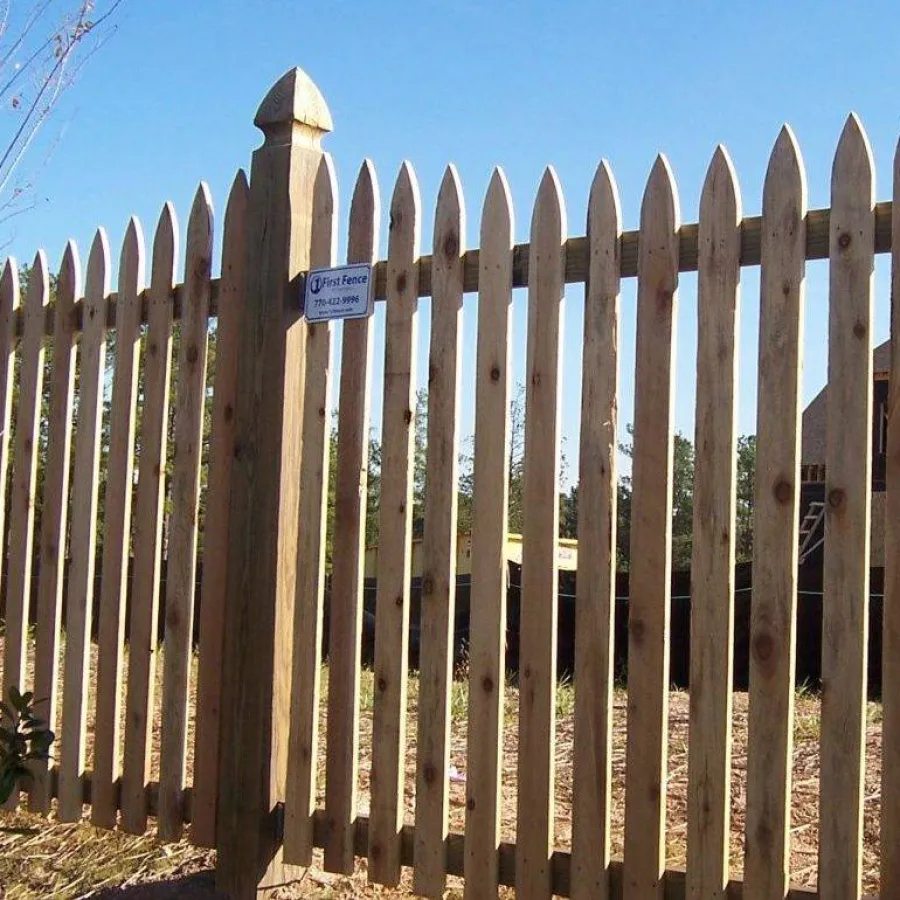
(712,563)
(394,535)
(848,487)
(215,538)
(890,651)
(149,512)
(54,516)
(775,543)
(303,758)
(651,535)
(487,601)
(537,641)
(438,599)
(117,533)
(348,553)
(23,484)
(183,527)
(83,539)
(597,531)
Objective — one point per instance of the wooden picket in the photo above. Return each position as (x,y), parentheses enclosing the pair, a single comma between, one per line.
(775,540)
(597,528)
(52,547)
(215,538)
(395,532)
(85,478)
(848,490)
(303,756)
(439,543)
(181,580)
(142,635)
(342,765)
(265,643)
(487,602)
(117,534)
(651,536)
(890,683)
(537,641)
(713,551)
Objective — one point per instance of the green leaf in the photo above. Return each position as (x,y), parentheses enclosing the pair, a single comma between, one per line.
(8,780)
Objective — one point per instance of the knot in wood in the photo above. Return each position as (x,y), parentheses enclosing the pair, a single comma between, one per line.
(488,684)
(451,245)
(427,586)
(637,629)
(401,282)
(428,773)
(398,601)
(836,498)
(786,288)
(407,416)
(495,373)
(321,412)
(382,684)
(763,647)
(783,491)
(228,412)
(845,240)
(859,330)
(470,804)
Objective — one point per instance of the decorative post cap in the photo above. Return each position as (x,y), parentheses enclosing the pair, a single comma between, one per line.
(294,111)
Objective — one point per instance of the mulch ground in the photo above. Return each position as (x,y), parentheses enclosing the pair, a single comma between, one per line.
(49,859)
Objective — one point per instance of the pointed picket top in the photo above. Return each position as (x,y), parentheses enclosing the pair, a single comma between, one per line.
(720,188)
(603,201)
(9,284)
(450,216)
(132,259)
(238,195)
(294,100)
(853,160)
(786,170)
(497,211)
(69,283)
(365,204)
(165,245)
(323,236)
(38,282)
(550,205)
(325,188)
(405,199)
(200,232)
(366,195)
(98,269)
(661,196)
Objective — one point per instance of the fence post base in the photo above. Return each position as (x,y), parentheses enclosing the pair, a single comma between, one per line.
(265,492)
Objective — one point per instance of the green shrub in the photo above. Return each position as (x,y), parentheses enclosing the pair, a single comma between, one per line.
(23,738)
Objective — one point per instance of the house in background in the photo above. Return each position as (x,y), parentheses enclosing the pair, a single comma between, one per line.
(812,467)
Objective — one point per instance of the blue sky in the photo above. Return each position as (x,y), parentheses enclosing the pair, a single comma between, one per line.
(170,100)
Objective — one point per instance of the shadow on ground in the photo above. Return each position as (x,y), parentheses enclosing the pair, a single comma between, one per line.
(199,886)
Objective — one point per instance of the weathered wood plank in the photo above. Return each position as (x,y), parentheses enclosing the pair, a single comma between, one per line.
(890,651)
(848,464)
(117,532)
(651,534)
(85,486)
(348,552)
(24,482)
(9,309)
(712,564)
(537,642)
(597,530)
(183,527)
(487,602)
(776,503)
(215,538)
(142,636)
(439,543)
(303,755)
(54,517)
(394,534)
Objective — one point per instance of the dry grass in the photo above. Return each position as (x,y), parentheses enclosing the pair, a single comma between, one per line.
(40,860)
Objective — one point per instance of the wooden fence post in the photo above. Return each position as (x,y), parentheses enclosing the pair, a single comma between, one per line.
(259,593)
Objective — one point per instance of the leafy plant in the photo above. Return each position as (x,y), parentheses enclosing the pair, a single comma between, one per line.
(23,738)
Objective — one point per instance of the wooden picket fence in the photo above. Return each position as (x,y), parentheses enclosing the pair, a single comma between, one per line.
(256,753)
